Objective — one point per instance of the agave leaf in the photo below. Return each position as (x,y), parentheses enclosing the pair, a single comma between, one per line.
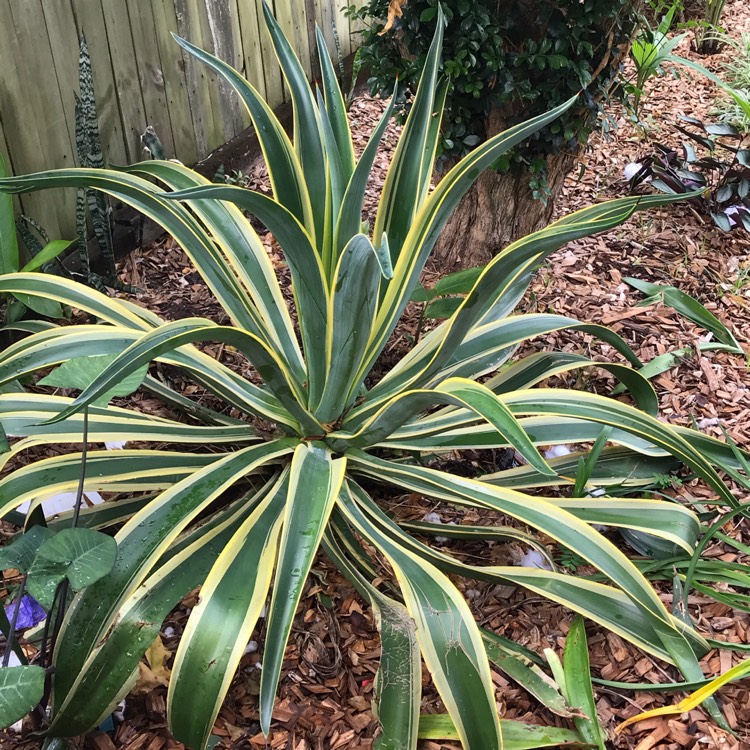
(9,256)
(106,675)
(447,634)
(231,602)
(246,255)
(398,683)
(315,481)
(141,542)
(284,169)
(351,315)
(308,138)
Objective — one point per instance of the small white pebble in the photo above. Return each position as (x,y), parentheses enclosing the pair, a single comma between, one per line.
(432,517)
(119,712)
(631,170)
(708,422)
(168,632)
(533,558)
(557,451)
(473,594)
(115,445)
(251,648)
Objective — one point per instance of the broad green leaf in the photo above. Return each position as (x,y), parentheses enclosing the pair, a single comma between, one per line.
(83,556)
(20,553)
(308,139)
(80,372)
(315,482)
(48,253)
(21,688)
(46,307)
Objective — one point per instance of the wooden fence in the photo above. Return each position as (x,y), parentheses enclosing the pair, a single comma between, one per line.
(141,77)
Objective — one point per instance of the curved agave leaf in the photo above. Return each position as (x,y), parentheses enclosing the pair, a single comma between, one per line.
(486,347)
(204,369)
(308,138)
(455,392)
(537,512)
(607,411)
(220,626)
(350,216)
(351,314)
(116,471)
(149,200)
(410,171)
(502,273)
(432,217)
(398,683)
(617,466)
(104,678)
(611,607)
(284,169)
(448,637)
(141,542)
(171,336)
(246,255)
(315,481)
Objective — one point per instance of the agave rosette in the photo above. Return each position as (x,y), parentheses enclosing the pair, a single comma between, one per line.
(305,488)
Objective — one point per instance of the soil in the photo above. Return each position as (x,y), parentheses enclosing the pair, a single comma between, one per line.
(326,690)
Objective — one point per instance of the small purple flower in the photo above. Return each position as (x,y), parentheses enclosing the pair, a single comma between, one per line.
(31,612)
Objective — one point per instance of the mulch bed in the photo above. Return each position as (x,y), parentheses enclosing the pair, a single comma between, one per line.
(327,683)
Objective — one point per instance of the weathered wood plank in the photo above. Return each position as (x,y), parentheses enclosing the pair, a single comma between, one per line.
(89,18)
(292,18)
(28,124)
(172,69)
(275,92)
(251,45)
(151,79)
(220,33)
(125,74)
(342,26)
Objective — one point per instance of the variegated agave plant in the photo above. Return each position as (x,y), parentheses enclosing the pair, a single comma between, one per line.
(275,501)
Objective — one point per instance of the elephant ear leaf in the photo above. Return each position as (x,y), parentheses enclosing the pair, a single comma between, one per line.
(80,372)
(21,688)
(83,556)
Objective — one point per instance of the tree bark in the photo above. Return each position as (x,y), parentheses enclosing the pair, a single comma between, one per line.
(497,210)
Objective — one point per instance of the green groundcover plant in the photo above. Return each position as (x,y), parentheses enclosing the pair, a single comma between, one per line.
(246,519)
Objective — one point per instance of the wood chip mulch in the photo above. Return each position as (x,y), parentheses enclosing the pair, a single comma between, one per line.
(327,683)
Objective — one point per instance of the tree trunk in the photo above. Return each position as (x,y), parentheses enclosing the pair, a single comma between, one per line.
(497,210)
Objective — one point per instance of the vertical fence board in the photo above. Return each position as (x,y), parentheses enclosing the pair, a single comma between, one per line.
(24,115)
(172,61)
(151,77)
(251,44)
(125,75)
(89,17)
(275,93)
